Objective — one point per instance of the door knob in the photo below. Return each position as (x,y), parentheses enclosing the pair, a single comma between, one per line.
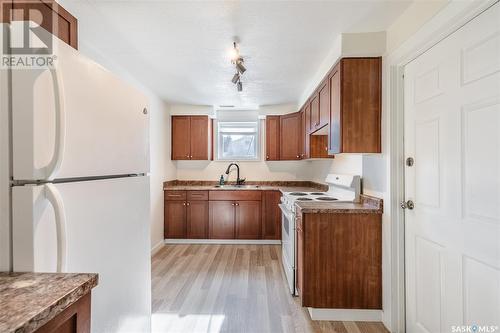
(407,204)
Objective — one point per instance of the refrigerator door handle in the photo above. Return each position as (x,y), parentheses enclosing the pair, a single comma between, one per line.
(49,171)
(55,199)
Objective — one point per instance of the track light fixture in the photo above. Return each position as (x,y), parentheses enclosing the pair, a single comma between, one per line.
(238,62)
(236,78)
(239,66)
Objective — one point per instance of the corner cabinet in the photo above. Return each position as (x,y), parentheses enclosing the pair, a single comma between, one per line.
(355,90)
(190,138)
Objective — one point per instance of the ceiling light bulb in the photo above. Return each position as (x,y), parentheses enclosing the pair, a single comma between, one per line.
(236,78)
(240,86)
(234,53)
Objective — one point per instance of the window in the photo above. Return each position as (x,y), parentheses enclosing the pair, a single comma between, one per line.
(237,140)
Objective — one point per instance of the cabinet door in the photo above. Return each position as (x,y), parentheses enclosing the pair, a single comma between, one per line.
(335,138)
(290,138)
(324,104)
(221,220)
(315,112)
(175,219)
(361,105)
(307,117)
(271,221)
(49,15)
(199,138)
(248,220)
(181,138)
(272,138)
(197,219)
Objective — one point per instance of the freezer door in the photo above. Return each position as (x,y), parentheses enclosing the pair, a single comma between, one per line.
(93,226)
(76,120)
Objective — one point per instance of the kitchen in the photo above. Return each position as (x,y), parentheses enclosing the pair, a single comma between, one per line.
(253,171)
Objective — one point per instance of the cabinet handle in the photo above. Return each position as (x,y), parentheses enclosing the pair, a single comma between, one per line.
(184,204)
(187,203)
(237,204)
(190,156)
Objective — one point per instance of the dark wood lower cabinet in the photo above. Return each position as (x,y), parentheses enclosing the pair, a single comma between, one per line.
(222,220)
(197,219)
(339,260)
(175,219)
(222,214)
(271,218)
(248,219)
(74,319)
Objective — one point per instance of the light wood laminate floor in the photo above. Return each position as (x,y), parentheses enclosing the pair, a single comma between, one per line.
(230,288)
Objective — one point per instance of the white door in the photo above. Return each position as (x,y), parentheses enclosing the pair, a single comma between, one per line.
(99,226)
(452,129)
(77,120)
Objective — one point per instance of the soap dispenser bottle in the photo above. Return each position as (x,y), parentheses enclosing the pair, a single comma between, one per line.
(221,180)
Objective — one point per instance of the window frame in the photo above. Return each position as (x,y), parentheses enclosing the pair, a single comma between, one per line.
(218,136)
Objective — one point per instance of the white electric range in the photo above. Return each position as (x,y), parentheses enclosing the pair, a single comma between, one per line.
(341,188)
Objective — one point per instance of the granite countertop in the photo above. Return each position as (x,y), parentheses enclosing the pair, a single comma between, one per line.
(30,300)
(368,205)
(284,186)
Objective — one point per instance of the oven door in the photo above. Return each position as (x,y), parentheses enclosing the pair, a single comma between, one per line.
(288,246)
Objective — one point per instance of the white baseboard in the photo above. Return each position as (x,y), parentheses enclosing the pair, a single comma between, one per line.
(157,247)
(223,241)
(345,314)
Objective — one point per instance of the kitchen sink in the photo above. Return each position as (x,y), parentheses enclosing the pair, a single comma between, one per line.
(237,186)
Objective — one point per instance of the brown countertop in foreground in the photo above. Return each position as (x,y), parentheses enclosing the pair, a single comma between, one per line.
(368,205)
(30,300)
(284,186)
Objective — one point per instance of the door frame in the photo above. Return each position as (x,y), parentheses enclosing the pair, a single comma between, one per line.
(448,20)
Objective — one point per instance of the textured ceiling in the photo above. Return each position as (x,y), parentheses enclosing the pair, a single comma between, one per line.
(180,49)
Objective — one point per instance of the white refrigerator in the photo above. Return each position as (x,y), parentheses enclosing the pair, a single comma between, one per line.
(75,184)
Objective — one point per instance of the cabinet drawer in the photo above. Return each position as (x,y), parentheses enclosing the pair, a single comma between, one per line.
(197,195)
(175,195)
(235,195)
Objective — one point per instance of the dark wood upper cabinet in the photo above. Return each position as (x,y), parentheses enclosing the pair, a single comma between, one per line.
(315,116)
(272,138)
(190,137)
(334,144)
(356,106)
(307,117)
(48,14)
(221,220)
(175,219)
(197,219)
(181,138)
(199,137)
(271,219)
(290,139)
(324,104)
(248,219)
